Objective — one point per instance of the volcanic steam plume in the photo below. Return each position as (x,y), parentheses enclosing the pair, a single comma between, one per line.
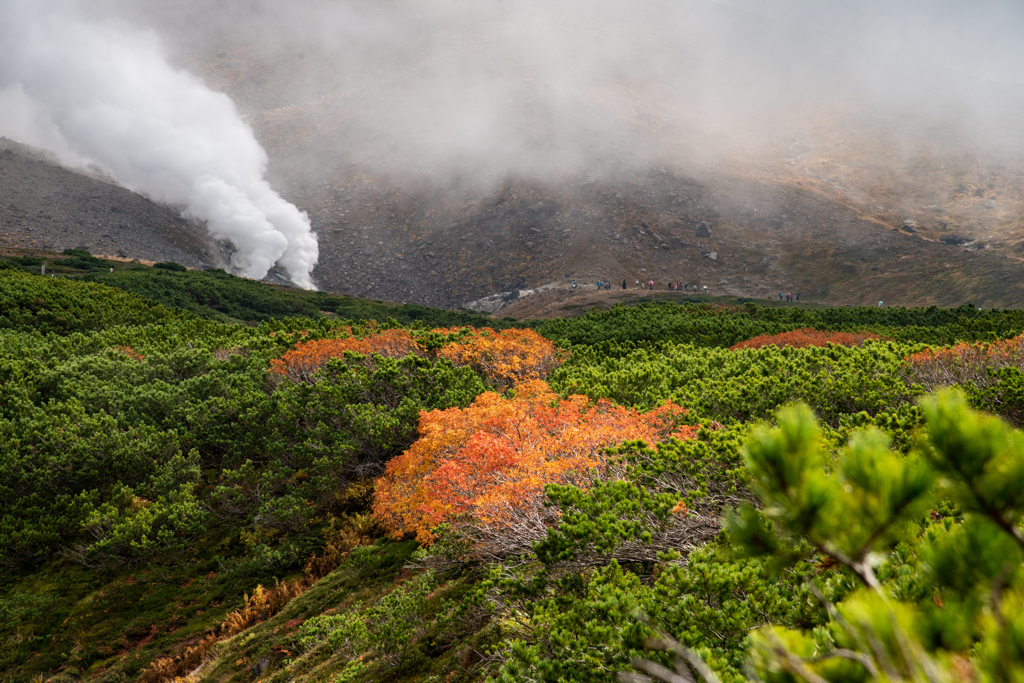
(103,94)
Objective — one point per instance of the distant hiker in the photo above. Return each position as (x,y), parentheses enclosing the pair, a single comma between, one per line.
(111,270)
(636,283)
(574,284)
(798,296)
(879,303)
(687,286)
(650,285)
(599,284)
(705,289)
(780,296)
(623,284)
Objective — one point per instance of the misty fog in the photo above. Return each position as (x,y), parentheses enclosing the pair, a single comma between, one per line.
(471,93)
(482,89)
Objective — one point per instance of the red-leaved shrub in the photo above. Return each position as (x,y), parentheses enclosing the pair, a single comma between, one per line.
(806,336)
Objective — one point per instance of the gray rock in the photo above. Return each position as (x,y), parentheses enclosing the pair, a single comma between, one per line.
(259,667)
(713,255)
(703,229)
(493,303)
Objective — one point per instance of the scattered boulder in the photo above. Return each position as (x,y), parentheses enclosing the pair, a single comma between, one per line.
(713,255)
(955,240)
(703,229)
(259,667)
(494,302)
(989,204)
(765,262)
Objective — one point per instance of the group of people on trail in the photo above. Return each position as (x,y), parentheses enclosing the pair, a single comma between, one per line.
(790,297)
(649,285)
(684,287)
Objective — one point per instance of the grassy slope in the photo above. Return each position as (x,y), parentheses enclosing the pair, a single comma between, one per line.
(64,617)
(369,574)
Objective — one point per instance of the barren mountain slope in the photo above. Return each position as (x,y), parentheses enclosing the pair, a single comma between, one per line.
(47,207)
(843,203)
(847,210)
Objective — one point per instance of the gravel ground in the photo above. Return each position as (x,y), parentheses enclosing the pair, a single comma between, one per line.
(47,207)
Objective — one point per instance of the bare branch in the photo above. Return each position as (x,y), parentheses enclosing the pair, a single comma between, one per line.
(662,673)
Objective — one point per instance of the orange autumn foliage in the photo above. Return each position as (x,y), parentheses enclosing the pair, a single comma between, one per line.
(483,469)
(963,363)
(129,352)
(302,362)
(506,357)
(805,336)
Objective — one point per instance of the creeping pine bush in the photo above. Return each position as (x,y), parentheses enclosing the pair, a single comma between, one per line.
(909,594)
(738,386)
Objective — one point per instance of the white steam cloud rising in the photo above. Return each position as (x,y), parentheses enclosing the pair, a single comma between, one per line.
(104,94)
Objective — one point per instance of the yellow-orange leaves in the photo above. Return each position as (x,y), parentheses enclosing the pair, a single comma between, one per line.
(962,363)
(306,358)
(483,468)
(506,357)
(129,352)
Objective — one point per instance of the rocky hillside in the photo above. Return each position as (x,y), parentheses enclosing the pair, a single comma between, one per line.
(843,206)
(44,207)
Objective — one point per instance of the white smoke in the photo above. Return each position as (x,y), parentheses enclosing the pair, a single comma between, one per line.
(104,94)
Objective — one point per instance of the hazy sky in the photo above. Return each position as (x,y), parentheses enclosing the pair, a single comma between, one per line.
(482,88)
(980,37)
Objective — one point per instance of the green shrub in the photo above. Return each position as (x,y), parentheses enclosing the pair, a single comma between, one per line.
(171,265)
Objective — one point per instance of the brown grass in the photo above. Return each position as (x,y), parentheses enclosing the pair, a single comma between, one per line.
(342,536)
